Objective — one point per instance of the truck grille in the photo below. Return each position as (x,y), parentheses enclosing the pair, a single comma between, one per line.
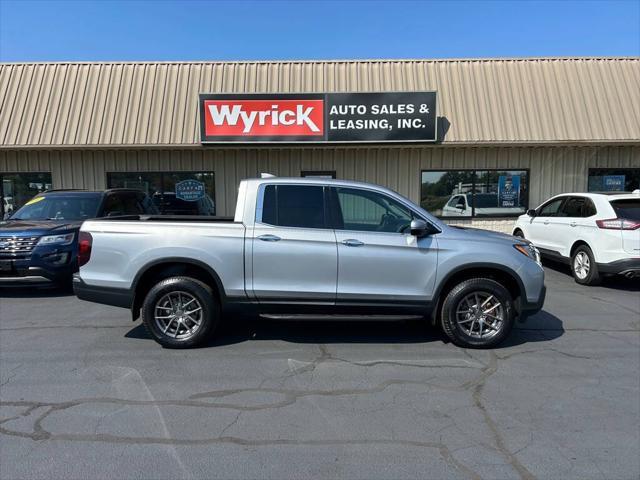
(16,247)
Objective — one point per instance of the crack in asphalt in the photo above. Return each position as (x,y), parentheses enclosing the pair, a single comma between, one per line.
(12,375)
(216,400)
(478,387)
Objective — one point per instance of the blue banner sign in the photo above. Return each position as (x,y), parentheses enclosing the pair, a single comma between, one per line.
(613,183)
(509,191)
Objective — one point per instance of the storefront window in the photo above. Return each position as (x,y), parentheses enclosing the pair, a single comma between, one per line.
(475,193)
(318,173)
(16,189)
(614,179)
(174,193)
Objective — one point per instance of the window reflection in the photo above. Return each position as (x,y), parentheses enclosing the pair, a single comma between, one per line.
(475,193)
(173,193)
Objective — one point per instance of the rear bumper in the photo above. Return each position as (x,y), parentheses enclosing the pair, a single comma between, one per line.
(626,266)
(116,297)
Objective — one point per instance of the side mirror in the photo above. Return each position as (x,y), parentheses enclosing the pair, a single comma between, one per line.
(531,213)
(420,228)
(6,216)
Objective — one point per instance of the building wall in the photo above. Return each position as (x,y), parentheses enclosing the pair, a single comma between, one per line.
(507,101)
(553,170)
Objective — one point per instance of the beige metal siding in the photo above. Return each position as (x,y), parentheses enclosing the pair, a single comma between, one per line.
(552,169)
(155,104)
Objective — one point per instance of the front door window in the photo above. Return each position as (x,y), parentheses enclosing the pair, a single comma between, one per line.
(368,211)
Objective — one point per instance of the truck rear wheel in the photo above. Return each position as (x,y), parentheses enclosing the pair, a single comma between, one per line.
(180,312)
(477,313)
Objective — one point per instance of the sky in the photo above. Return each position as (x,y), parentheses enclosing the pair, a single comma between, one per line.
(106,30)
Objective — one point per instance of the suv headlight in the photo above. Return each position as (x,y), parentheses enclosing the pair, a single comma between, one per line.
(64,239)
(529,250)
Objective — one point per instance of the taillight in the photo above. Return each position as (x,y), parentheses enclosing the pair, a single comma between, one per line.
(618,224)
(84,248)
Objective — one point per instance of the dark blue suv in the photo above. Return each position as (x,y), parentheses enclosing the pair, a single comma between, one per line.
(39,242)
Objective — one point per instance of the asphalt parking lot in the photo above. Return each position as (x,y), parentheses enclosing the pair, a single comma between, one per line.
(86,394)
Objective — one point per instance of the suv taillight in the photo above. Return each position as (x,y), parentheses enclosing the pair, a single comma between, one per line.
(618,224)
(84,248)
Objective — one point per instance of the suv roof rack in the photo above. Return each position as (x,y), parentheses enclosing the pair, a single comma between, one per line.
(267,175)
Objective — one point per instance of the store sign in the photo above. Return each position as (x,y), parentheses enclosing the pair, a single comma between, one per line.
(190,190)
(613,183)
(330,117)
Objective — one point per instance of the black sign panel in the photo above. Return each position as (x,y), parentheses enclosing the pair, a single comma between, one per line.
(381,117)
(318,118)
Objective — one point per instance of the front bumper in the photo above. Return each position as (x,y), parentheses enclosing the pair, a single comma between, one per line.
(47,264)
(531,308)
(626,266)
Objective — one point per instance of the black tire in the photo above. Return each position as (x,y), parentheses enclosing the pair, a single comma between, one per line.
(484,287)
(518,233)
(578,257)
(209,315)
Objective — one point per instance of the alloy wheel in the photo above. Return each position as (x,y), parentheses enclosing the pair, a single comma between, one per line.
(178,315)
(480,315)
(581,265)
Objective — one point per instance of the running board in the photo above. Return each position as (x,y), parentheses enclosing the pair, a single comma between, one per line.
(340,318)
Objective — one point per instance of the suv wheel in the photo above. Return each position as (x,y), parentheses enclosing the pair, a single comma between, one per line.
(477,313)
(583,266)
(180,312)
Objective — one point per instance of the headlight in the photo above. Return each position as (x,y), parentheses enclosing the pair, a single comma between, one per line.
(529,250)
(64,239)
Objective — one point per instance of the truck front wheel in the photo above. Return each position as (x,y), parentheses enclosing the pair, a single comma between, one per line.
(180,312)
(477,313)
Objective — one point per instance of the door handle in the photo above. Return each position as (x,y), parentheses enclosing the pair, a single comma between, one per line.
(546,222)
(352,242)
(573,224)
(268,238)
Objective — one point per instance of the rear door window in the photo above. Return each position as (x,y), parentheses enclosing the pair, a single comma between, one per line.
(588,209)
(573,207)
(629,209)
(294,206)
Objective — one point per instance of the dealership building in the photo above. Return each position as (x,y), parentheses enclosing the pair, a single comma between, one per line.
(475,141)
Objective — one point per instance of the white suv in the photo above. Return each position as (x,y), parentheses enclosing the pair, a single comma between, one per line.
(596,234)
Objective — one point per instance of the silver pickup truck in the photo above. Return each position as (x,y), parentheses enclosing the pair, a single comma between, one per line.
(300,248)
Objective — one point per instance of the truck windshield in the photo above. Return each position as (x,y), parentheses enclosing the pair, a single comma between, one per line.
(59,207)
